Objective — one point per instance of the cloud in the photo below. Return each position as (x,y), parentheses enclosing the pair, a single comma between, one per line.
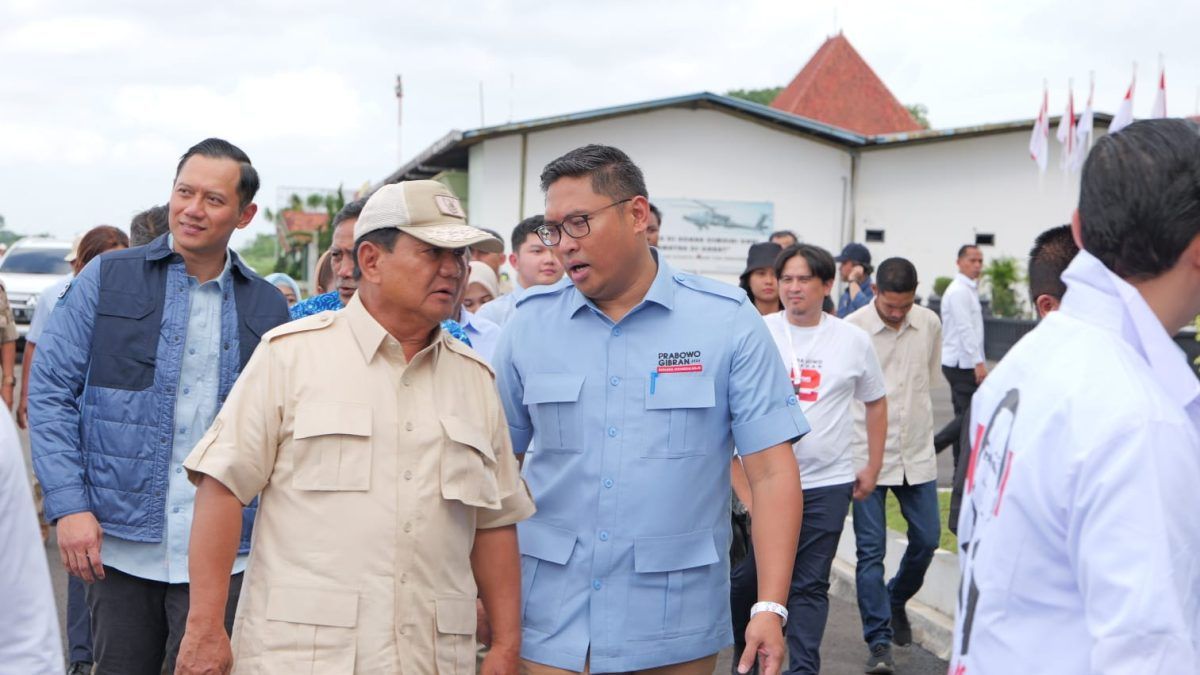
(70,35)
(311,104)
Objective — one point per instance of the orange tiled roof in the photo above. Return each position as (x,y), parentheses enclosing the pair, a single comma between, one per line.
(304,221)
(837,87)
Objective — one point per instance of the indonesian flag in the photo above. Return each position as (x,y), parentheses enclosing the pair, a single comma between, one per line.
(1160,99)
(1039,142)
(1084,130)
(1124,116)
(1066,133)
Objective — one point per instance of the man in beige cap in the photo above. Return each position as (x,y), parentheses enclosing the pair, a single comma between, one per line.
(387,507)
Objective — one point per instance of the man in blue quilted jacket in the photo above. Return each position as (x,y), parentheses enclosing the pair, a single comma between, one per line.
(133,366)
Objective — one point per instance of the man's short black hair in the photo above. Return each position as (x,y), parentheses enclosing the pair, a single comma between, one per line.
(613,174)
(1139,198)
(964,249)
(783,233)
(525,229)
(216,148)
(385,238)
(1052,251)
(896,275)
(820,262)
(657,213)
(148,225)
(350,210)
(491,232)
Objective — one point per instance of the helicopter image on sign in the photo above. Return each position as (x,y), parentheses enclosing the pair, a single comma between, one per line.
(711,217)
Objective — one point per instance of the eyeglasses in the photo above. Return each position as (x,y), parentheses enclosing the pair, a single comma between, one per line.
(576,227)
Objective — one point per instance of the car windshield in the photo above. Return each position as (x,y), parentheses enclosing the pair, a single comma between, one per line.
(36,261)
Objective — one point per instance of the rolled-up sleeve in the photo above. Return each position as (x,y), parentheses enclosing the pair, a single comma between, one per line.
(512,391)
(240,446)
(762,403)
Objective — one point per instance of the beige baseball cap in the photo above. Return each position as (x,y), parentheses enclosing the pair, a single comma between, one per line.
(424,209)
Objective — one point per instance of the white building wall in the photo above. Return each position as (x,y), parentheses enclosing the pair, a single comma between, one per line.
(702,154)
(930,199)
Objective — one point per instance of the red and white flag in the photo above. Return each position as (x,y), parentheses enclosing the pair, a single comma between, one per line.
(1039,142)
(1084,129)
(1160,98)
(1124,116)
(1066,133)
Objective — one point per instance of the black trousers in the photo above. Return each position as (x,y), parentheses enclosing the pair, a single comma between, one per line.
(137,624)
(962,388)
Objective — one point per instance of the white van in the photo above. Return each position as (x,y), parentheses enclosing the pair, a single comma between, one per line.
(29,267)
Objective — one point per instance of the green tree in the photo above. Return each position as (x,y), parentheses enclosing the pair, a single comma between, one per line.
(1002,275)
(261,253)
(760,96)
(920,113)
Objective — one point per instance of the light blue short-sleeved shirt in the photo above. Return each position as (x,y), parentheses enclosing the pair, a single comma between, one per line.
(628,430)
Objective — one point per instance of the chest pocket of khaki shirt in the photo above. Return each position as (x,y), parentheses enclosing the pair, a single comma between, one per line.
(333,447)
(468,465)
(674,404)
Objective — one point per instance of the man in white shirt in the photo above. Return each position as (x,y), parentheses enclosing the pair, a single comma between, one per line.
(831,364)
(535,265)
(908,341)
(1078,537)
(962,343)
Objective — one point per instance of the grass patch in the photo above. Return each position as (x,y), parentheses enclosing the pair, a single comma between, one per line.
(896,521)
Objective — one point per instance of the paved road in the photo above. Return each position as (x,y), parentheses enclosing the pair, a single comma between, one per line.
(842,652)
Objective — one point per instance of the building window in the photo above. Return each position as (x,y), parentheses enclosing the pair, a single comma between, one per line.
(875,236)
(982,239)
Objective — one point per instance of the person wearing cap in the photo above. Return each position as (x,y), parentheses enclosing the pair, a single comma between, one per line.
(138,356)
(758,279)
(535,263)
(481,287)
(854,268)
(389,506)
(626,387)
(494,260)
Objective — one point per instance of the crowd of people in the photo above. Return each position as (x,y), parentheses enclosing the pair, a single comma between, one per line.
(424,456)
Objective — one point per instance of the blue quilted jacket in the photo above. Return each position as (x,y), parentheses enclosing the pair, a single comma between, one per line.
(105,378)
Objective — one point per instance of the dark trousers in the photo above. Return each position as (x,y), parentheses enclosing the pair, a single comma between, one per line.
(825,511)
(137,624)
(962,388)
(919,505)
(79,622)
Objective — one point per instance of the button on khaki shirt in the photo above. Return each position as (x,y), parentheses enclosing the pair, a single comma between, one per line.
(374,476)
(911,359)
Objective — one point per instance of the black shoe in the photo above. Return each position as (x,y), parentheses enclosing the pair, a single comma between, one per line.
(880,661)
(80,668)
(901,629)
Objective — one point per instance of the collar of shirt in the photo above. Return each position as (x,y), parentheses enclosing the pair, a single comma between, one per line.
(1099,297)
(164,246)
(370,334)
(875,322)
(661,292)
(467,320)
(971,283)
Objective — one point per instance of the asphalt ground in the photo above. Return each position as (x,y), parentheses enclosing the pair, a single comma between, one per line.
(842,651)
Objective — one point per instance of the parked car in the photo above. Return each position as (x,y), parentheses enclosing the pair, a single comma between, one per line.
(30,266)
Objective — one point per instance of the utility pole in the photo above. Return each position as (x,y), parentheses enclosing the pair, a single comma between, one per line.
(399,120)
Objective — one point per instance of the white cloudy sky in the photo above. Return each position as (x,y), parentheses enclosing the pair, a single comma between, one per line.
(98,100)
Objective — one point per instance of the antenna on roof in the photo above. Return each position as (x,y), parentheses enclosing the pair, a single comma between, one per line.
(399,118)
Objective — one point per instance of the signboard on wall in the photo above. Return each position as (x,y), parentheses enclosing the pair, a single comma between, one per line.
(711,237)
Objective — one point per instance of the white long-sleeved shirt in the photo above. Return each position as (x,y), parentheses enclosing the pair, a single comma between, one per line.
(1078,537)
(962,324)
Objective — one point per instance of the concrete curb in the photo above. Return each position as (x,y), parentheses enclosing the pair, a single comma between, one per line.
(931,612)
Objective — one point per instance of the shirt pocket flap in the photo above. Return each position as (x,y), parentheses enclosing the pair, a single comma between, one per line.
(462,431)
(552,388)
(546,542)
(313,606)
(668,392)
(456,616)
(124,305)
(674,552)
(321,419)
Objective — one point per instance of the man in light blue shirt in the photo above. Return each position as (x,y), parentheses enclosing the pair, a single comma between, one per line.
(535,264)
(626,387)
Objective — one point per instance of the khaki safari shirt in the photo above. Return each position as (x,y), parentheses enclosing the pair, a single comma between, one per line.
(374,476)
(8,325)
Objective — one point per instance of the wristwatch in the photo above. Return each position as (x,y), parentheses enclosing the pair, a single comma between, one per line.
(773,607)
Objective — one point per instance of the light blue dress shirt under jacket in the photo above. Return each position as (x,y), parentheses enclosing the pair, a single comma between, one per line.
(628,430)
(195,409)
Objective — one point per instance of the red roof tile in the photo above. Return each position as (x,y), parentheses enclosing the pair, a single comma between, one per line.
(837,87)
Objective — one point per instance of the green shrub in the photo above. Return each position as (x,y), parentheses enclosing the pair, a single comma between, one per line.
(940,284)
(1002,275)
